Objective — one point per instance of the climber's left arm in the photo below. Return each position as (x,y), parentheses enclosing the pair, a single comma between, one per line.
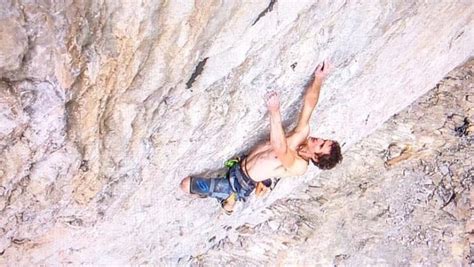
(277,134)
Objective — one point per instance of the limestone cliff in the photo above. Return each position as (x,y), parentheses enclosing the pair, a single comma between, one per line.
(402,197)
(106,105)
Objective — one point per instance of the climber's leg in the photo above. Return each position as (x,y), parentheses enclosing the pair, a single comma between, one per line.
(218,188)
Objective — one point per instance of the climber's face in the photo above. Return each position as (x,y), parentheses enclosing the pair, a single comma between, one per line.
(319,146)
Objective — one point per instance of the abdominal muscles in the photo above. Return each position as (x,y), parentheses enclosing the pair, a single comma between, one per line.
(262,164)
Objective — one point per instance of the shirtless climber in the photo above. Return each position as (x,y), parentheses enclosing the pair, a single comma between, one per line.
(281,156)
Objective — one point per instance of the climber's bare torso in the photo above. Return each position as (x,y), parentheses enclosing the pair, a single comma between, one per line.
(263,163)
(288,155)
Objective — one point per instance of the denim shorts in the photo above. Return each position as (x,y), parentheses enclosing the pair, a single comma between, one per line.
(222,187)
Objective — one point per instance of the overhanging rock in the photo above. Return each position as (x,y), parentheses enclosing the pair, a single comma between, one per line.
(106,105)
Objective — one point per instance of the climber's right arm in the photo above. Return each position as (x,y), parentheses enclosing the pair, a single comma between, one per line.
(311,98)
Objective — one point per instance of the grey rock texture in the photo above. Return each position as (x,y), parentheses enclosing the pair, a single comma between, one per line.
(402,197)
(106,105)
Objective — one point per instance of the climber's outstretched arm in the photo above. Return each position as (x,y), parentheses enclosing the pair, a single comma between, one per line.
(311,98)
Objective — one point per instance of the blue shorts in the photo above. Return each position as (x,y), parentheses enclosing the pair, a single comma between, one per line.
(222,187)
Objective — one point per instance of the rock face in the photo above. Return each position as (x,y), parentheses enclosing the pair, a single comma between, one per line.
(402,197)
(106,105)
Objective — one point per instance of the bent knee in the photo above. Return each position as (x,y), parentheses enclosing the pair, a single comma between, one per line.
(186,185)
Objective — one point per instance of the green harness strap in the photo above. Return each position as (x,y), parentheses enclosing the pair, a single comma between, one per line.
(233,196)
(231,162)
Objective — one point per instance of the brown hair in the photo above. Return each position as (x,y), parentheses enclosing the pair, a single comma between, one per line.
(329,161)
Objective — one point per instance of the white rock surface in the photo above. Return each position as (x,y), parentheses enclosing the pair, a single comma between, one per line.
(389,203)
(106,105)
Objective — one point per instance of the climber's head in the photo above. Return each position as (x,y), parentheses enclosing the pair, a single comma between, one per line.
(325,154)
